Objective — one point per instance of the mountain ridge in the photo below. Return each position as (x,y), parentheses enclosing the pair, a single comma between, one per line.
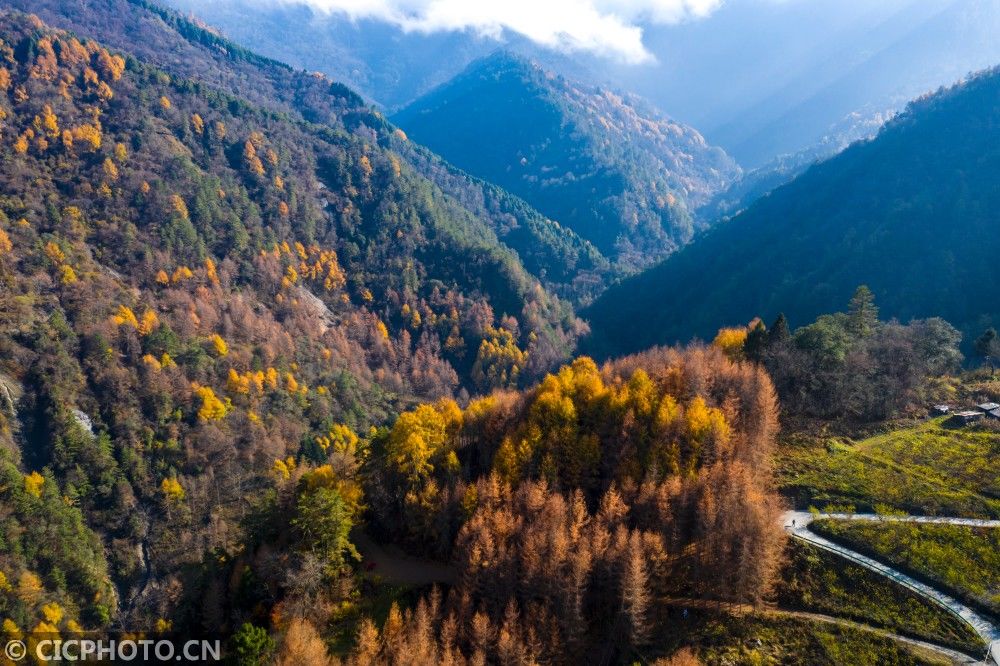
(905,213)
(604,164)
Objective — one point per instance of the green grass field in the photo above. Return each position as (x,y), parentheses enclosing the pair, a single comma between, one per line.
(924,469)
(820,582)
(964,560)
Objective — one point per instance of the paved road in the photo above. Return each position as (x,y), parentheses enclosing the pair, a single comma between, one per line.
(877,518)
(797,524)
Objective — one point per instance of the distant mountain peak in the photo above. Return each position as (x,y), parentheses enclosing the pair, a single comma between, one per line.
(604,163)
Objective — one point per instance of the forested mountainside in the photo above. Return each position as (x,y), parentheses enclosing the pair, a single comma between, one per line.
(210,313)
(755,183)
(604,164)
(910,213)
(566,264)
(193,288)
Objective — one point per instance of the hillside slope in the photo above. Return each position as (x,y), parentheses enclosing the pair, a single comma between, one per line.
(164,38)
(910,213)
(615,171)
(192,287)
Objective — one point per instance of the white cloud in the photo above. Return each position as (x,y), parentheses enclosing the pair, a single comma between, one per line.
(608,27)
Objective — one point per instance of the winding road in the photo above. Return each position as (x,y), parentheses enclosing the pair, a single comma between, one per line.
(797,524)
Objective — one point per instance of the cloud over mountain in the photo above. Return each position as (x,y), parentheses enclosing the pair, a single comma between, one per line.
(613,28)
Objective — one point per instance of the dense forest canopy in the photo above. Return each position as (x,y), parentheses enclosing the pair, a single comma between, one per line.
(570,508)
(251,334)
(850,365)
(565,263)
(195,288)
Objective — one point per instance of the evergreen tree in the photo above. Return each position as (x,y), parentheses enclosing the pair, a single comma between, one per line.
(779,332)
(251,645)
(862,313)
(756,342)
(988,346)
(325,522)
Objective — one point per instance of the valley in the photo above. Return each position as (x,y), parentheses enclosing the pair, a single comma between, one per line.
(525,371)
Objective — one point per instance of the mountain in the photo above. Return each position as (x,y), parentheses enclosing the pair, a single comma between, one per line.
(388,65)
(755,183)
(196,284)
(567,264)
(726,75)
(604,164)
(909,213)
(213,307)
(722,73)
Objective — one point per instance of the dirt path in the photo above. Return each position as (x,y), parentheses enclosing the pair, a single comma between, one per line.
(954,656)
(395,566)
(797,524)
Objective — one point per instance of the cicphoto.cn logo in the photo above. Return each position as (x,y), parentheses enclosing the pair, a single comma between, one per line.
(46,649)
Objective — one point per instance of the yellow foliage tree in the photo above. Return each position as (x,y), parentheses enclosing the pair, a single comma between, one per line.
(324,477)
(284,468)
(33,484)
(237,383)
(250,159)
(89,135)
(48,122)
(730,341)
(211,409)
(178,205)
(210,271)
(125,317)
(219,345)
(110,170)
(148,322)
(419,436)
(54,253)
(29,586)
(66,274)
(172,489)
(703,423)
(181,272)
(10,629)
(53,613)
(499,361)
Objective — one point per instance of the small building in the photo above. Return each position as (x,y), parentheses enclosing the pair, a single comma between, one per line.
(993,414)
(988,406)
(940,410)
(966,417)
